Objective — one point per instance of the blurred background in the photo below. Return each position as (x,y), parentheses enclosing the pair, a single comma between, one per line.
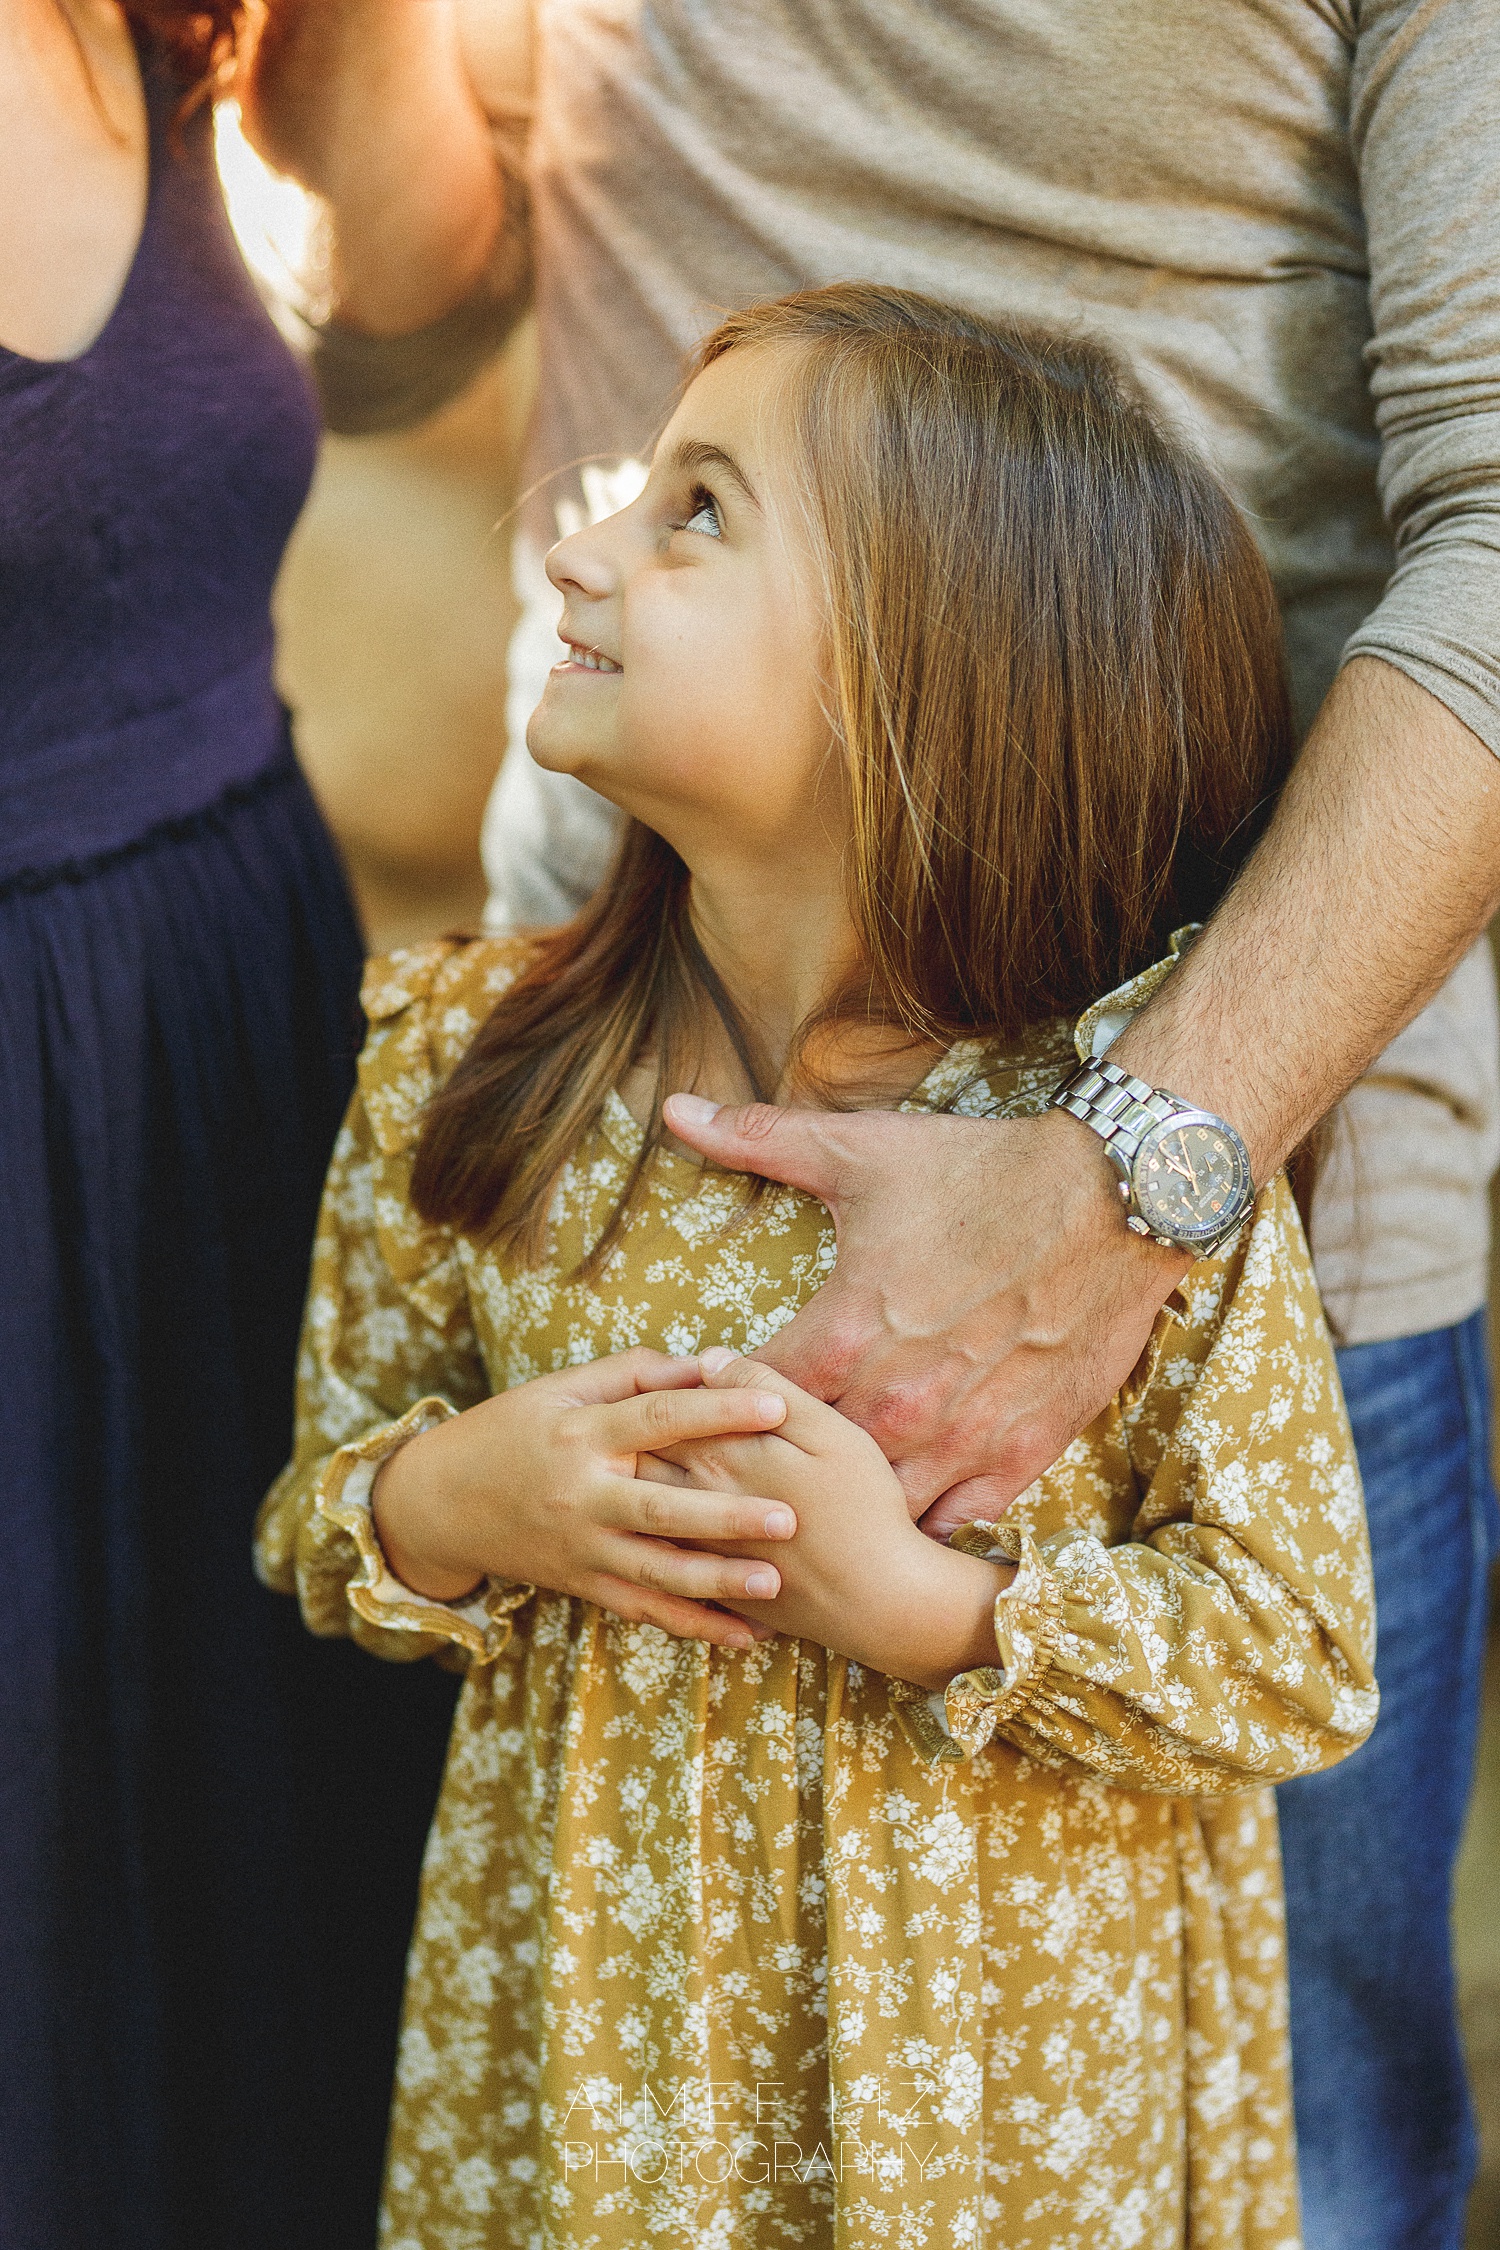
(394,611)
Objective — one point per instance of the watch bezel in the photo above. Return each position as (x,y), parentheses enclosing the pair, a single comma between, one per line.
(1220,1224)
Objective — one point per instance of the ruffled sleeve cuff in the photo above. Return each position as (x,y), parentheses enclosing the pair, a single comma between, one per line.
(969,1712)
(480,1624)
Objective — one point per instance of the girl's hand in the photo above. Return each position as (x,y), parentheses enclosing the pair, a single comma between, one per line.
(858,1576)
(538,1486)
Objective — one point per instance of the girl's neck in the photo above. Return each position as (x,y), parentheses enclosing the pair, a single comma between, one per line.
(782,948)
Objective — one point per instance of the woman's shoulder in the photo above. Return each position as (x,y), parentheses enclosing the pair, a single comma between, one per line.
(424,1004)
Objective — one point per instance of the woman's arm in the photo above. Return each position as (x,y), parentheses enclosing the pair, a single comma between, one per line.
(74,161)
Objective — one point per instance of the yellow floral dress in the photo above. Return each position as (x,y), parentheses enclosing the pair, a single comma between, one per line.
(762,1949)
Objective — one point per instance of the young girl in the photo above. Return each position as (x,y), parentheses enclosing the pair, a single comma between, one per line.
(798,1879)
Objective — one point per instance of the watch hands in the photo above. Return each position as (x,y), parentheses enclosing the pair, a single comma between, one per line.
(1184,1170)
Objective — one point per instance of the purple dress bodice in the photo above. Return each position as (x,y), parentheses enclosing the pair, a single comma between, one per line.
(147,489)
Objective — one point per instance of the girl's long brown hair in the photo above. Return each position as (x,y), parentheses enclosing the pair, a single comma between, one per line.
(1054,673)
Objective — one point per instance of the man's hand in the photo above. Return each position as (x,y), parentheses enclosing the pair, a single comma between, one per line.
(988,1300)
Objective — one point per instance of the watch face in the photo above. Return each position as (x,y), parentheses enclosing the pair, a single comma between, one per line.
(1191,1179)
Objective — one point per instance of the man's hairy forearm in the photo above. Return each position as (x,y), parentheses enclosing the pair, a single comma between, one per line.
(369,104)
(1380,868)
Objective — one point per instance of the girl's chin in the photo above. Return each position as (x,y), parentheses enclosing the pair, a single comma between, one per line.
(554,748)
(563,733)
(556,754)
(653,796)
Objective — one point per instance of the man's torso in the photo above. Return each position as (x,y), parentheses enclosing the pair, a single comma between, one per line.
(1175,176)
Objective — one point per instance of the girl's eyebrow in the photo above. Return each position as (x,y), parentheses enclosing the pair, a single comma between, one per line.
(692,453)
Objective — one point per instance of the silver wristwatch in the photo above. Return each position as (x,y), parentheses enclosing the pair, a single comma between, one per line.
(1184,1174)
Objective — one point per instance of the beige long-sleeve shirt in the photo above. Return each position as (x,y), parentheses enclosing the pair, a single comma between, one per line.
(1281,212)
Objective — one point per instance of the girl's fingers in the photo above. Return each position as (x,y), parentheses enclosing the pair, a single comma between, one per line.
(672,1511)
(654,1470)
(646,1423)
(722,1464)
(656,1567)
(689,1621)
(626,1374)
(809,1424)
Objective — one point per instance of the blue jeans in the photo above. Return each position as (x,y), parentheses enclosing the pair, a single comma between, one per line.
(1384,2128)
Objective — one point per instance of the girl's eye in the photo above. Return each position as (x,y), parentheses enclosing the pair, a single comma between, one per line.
(705,515)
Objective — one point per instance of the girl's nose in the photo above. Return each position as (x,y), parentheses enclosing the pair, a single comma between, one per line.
(582,563)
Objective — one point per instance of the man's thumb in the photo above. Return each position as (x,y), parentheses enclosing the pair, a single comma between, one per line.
(784,1144)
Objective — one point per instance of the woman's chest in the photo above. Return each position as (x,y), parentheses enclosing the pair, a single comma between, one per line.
(74,167)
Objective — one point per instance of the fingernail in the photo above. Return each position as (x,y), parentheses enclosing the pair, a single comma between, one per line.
(780,1523)
(692,1109)
(761,1583)
(715,1360)
(769,1407)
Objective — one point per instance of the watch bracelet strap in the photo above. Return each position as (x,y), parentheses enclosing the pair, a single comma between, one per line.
(1122,1110)
(1119,1108)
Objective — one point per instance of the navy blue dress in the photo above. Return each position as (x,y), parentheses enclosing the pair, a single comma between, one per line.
(210,1824)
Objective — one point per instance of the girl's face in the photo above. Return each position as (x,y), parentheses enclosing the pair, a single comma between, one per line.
(689,691)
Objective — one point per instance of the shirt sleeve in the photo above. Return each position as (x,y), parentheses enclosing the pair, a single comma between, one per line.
(367,384)
(1229,1642)
(388,1350)
(1425,125)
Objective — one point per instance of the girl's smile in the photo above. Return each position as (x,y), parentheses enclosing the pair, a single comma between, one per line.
(583,659)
